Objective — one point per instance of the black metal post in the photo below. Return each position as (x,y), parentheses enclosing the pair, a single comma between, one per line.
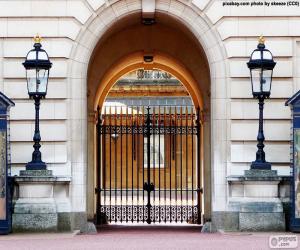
(147,185)
(199,188)
(260,162)
(36,163)
(99,159)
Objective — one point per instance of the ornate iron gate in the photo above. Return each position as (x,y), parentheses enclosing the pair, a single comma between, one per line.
(148,164)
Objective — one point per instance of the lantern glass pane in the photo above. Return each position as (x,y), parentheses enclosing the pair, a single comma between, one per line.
(31,55)
(266,80)
(42,79)
(255,80)
(31,80)
(267,55)
(256,55)
(42,55)
(37,80)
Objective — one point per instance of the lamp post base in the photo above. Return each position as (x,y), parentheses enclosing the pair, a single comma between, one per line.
(36,165)
(260,165)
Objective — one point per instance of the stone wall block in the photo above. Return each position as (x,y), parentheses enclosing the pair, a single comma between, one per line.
(79,10)
(200,3)
(261,189)
(96,4)
(262,221)
(38,222)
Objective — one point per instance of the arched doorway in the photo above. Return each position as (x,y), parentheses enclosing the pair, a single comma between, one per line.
(125,47)
(149,151)
(188,40)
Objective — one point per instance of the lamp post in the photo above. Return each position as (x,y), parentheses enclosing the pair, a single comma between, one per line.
(261,65)
(37,65)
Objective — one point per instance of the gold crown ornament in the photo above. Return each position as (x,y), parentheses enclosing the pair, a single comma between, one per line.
(261,39)
(37,39)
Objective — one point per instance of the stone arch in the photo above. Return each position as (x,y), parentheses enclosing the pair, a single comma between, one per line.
(86,42)
(160,61)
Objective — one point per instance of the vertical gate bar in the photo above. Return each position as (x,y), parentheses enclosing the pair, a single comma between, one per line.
(165,170)
(186,158)
(143,164)
(134,137)
(98,192)
(175,159)
(138,163)
(148,164)
(104,160)
(181,161)
(159,217)
(170,159)
(121,159)
(132,159)
(115,161)
(193,120)
(173,135)
(126,163)
(110,165)
(154,163)
(198,166)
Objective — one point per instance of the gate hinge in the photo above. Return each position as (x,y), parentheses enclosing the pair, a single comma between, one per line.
(97,190)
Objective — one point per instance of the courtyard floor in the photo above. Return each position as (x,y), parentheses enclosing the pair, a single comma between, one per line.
(140,237)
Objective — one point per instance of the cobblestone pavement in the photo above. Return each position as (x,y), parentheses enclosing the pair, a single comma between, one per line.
(139,237)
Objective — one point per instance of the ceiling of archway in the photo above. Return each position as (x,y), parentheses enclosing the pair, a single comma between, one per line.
(168,36)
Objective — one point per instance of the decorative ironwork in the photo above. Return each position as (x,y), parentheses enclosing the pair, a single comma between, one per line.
(172,213)
(147,178)
(106,129)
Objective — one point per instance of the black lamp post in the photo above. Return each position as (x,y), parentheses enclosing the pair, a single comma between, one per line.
(37,65)
(261,65)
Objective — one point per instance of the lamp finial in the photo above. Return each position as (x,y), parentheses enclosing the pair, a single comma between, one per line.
(37,39)
(261,40)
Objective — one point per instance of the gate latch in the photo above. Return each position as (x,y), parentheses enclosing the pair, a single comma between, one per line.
(148,187)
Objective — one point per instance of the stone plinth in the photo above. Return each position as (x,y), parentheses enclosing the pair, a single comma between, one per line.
(256,196)
(42,202)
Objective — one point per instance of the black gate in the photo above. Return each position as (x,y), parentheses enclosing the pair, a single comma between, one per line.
(148,164)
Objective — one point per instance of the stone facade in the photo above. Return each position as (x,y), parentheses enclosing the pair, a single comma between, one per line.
(72,29)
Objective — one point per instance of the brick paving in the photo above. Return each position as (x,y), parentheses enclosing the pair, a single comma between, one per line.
(138,237)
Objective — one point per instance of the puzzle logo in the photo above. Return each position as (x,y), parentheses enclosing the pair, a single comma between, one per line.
(283,241)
